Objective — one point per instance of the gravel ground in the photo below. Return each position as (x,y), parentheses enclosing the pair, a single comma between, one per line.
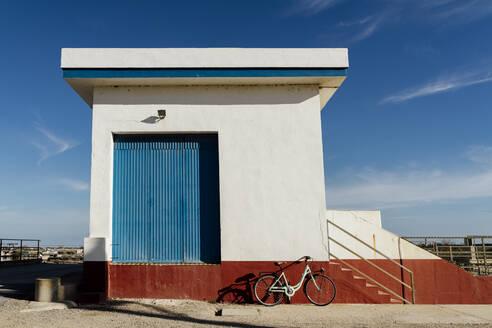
(176,313)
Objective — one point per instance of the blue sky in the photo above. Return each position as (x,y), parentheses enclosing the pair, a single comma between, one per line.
(409,132)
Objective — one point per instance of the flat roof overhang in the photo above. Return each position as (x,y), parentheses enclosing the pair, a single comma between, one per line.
(84,69)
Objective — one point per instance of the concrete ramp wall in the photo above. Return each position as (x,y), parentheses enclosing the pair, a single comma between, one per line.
(436,281)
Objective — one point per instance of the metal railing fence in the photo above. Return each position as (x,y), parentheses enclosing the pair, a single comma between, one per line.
(472,253)
(18,249)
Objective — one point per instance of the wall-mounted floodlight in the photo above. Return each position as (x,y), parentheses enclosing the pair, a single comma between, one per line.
(161,113)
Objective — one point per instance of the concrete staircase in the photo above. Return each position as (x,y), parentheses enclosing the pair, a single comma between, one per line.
(352,288)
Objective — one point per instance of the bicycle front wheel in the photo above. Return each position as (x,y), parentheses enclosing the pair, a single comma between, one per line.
(262,293)
(320,290)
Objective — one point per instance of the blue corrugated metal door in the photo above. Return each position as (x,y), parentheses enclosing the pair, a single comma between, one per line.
(166,199)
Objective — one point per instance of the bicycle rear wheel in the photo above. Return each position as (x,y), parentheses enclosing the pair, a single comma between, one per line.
(320,290)
(262,294)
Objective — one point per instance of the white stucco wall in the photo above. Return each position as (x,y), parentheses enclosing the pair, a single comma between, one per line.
(204,57)
(372,217)
(366,225)
(272,196)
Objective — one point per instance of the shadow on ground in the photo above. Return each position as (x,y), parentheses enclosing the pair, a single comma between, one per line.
(155,311)
(241,292)
(18,281)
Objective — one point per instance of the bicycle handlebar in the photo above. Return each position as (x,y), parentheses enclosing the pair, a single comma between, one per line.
(302,258)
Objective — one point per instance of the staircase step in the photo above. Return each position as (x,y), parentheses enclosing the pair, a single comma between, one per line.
(372,290)
(358,280)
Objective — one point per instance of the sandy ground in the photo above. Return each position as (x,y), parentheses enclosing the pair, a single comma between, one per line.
(175,313)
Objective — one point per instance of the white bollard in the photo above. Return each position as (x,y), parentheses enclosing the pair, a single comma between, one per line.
(46,289)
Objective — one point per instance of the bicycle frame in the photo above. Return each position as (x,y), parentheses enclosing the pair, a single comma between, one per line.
(288,289)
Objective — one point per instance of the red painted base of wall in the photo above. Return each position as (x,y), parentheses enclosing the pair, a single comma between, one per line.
(436,281)
(94,283)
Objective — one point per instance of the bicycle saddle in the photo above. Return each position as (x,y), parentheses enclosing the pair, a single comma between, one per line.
(279,263)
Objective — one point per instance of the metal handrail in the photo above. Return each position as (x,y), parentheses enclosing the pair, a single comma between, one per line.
(366,244)
(411,286)
(372,280)
(371,263)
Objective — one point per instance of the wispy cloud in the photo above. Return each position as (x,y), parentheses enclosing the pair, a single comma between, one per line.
(354,29)
(382,189)
(50,144)
(479,154)
(458,11)
(440,85)
(310,7)
(369,25)
(361,21)
(440,13)
(72,184)
(385,189)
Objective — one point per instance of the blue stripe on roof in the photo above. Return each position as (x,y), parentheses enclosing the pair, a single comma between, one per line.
(85,73)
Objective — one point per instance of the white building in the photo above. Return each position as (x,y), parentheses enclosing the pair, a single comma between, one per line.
(207,165)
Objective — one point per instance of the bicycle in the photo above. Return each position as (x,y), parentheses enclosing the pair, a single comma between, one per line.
(319,289)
